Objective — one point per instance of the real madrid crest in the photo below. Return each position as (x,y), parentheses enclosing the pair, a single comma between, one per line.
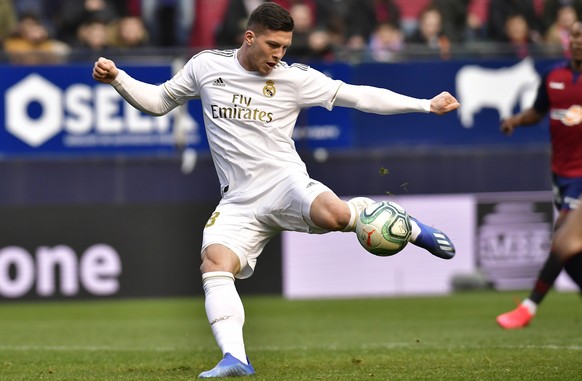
(269,89)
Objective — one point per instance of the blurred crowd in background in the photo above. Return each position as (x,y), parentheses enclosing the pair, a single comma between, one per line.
(378,29)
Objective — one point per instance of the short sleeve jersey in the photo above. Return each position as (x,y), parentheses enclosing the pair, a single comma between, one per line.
(249,118)
(560,95)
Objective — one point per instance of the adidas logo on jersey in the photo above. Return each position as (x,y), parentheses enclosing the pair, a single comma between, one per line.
(219,82)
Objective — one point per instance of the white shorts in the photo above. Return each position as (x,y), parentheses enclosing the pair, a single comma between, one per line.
(245,228)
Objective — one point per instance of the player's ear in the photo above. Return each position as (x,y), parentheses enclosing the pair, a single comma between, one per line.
(249,37)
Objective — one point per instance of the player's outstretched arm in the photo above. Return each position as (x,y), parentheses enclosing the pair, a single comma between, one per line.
(443,103)
(383,101)
(148,98)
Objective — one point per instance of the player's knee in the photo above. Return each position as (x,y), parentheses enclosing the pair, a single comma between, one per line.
(219,258)
(329,212)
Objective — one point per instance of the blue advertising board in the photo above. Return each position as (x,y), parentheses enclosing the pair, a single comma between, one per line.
(488,91)
(61,110)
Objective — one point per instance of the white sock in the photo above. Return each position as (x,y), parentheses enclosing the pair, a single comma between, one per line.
(356,205)
(415,231)
(225,312)
(531,306)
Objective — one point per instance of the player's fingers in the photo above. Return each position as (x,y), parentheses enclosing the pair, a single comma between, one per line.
(102,68)
(446,102)
(506,129)
(104,64)
(453,105)
(448,106)
(99,74)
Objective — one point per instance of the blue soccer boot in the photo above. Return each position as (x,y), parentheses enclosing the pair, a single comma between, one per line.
(433,240)
(229,366)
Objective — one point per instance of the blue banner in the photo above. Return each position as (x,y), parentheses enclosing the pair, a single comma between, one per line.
(61,110)
(487,90)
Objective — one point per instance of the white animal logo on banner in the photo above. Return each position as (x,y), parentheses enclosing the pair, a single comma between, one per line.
(501,89)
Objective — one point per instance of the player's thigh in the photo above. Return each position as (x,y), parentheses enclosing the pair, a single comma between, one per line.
(236,228)
(288,205)
(567,241)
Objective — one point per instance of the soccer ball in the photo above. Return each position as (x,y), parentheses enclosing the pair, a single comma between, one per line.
(383,228)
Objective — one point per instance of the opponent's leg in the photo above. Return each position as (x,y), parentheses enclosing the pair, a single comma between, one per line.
(522,315)
(567,244)
(573,267)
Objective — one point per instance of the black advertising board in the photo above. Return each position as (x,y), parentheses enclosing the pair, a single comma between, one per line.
(137,250)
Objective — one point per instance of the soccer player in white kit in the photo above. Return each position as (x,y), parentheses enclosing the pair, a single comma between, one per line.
(251,100)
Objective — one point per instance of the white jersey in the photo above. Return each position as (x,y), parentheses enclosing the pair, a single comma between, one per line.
(250,118)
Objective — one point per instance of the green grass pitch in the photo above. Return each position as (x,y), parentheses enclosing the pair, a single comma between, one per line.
(421,338)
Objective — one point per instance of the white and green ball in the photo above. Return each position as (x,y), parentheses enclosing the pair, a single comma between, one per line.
(383,228)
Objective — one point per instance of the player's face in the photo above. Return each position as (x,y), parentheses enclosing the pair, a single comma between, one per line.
(576,41)
(266,50)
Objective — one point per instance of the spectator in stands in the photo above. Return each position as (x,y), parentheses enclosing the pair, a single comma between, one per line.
(459,24)
(93,35)
(129,32)
(429,32)
(552,7)
(500,10)
(559,32)
(232,27)
(73,13)
(386,41)
(324,18)
(308,41)
(32,44)
(323,11)
(363,17)
(519,36)
(7,18)
(169,22)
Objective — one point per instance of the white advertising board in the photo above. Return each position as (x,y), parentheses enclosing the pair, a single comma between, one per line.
(335,265)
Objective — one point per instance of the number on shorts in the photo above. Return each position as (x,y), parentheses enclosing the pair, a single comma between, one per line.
(212,219)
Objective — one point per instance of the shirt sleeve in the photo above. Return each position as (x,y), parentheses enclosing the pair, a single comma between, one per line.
(542,101)
(148,98)
(379,101)
(316,89)
(184,86)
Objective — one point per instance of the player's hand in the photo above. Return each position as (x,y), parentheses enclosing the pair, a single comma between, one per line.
(508,125)
(443,103)
(104,70)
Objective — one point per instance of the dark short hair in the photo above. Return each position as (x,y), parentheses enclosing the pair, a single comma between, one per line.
(270,16)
